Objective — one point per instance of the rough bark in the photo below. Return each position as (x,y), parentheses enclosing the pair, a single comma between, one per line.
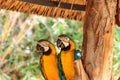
(98,39)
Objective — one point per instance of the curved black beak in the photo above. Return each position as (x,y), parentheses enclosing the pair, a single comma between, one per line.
(60,44)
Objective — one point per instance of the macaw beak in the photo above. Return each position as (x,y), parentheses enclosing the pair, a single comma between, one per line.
(60,44)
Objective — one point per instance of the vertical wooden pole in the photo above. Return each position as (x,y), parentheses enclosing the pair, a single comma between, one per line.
(98,39)
(118,13)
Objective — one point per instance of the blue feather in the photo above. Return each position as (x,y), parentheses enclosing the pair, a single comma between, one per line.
(77,55)
(61,73)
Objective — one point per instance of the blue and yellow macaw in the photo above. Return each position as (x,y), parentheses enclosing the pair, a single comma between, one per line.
(67,56)
(49,61)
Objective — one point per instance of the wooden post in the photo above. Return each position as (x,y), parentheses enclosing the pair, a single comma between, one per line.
(98,39)
(118,13)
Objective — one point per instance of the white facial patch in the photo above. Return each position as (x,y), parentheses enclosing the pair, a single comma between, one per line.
(44,44)
(65,41)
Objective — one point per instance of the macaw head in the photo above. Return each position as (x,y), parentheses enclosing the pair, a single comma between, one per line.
(63,42)
(43,47)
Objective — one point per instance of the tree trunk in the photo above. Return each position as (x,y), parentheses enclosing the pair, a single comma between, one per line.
(98,39)
(118,13)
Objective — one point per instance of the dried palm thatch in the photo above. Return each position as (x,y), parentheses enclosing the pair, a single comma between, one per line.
(72,1)
(71,9)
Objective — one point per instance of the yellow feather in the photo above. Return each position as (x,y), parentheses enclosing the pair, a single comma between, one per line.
(67,59)
(50,65)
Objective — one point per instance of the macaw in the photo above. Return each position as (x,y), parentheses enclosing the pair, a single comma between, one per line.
(49,61)
(67,56)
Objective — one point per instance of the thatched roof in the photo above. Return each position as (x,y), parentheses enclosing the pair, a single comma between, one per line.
(71,9)
(72,1)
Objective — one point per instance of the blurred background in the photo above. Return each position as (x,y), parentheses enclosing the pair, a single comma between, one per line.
(19,34)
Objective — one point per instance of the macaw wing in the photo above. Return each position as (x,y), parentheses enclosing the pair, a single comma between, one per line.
(41,67)
(77,54)
(61,73)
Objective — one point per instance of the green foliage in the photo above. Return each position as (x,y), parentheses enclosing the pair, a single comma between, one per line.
(23,61)
(116,57)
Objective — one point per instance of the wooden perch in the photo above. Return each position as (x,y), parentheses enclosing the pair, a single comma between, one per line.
(80,72)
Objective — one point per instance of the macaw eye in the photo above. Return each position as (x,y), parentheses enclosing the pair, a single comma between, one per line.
(39,48)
